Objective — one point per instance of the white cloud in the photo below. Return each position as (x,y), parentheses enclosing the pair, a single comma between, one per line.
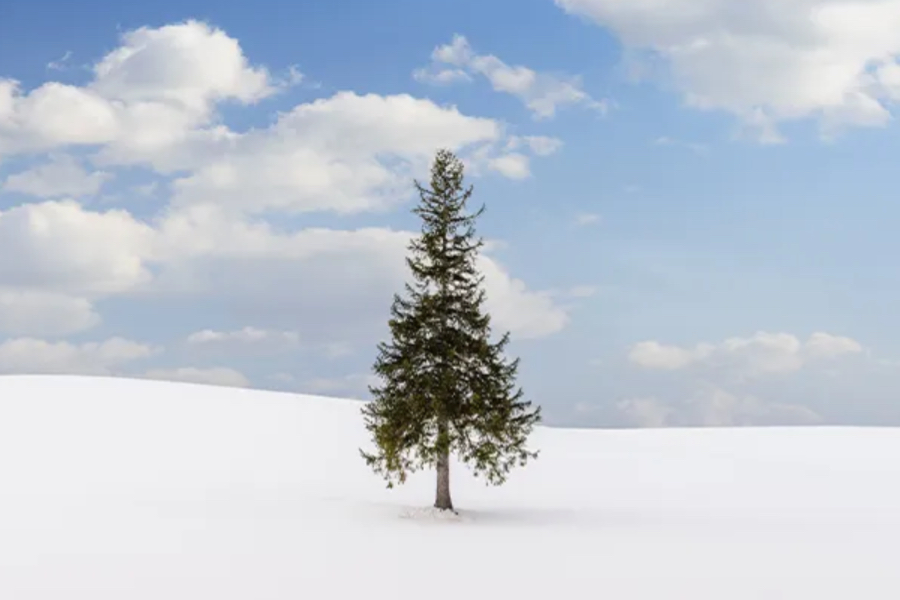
(762,353)
(356,274)
(653,355)
(36,356)
(748,363)
(526,314)
(53,115)
(543,145)
(63,247)
(246,335)
(190,64)
(147,95)
(62,176)
(511,160)
(513,165)
(348,153)
(542,93)
(211,376)
(823,345)
(768,61)
(153,102)
(714,407)
(25,312)
(207,251)
(59,65)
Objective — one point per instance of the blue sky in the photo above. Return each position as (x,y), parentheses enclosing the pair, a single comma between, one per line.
(690,205)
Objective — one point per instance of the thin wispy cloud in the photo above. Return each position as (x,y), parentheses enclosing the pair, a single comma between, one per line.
(61,63)
(543,93)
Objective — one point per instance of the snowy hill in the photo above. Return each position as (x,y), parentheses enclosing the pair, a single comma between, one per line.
(137,490)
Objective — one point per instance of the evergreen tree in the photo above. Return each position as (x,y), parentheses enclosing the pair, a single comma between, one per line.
(445,386)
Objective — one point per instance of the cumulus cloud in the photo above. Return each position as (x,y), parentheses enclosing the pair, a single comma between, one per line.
(347,154)
(542,93)
(357,272)
(34,356)
(62,176)
(223,376)
(57,257)
(146,95)
(60,246)
(190,64)
(653,355)
(37,313)
(760,354)
(767,61)
(731,381)
(65,249)
(329,284)
(513,307)
(513,165)
(823,345)
(51,116)
(206,253)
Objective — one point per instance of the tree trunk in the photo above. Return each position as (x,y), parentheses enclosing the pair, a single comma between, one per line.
(442,499)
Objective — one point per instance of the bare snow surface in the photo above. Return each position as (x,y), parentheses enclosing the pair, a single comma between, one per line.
(136,490)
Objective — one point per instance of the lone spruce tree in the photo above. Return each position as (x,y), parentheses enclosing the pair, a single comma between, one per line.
(445,386)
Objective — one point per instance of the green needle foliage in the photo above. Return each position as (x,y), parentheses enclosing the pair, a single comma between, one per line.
(446,388)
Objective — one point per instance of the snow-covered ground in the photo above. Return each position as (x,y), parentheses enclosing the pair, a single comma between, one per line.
(137,490)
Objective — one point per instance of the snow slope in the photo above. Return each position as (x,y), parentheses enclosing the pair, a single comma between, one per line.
(132,490)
